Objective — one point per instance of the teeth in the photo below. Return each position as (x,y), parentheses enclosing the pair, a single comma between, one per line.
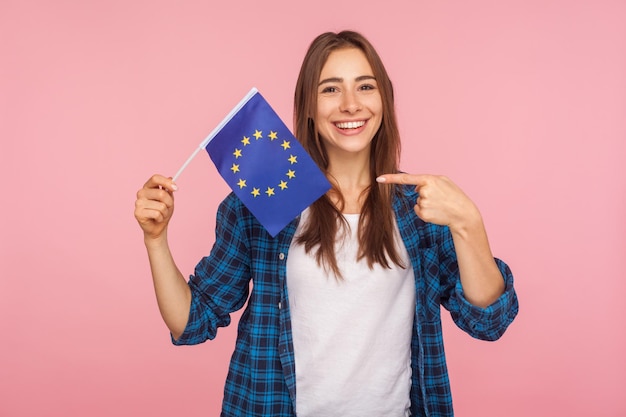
(350,125)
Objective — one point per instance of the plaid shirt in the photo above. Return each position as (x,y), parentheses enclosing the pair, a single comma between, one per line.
(261,379)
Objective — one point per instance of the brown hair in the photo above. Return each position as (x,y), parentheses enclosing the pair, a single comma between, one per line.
(376,223)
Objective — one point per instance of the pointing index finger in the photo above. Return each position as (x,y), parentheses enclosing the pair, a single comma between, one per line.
(410,179)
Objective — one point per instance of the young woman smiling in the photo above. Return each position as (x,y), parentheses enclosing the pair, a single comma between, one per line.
(344,315)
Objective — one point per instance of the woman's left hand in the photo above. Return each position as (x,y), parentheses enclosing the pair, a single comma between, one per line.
(440,201)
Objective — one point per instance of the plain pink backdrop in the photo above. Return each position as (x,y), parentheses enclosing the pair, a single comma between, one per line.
(522,103)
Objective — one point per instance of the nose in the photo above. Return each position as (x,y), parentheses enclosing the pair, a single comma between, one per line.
(350,102)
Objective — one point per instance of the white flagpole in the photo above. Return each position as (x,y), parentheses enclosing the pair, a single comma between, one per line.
(193,155)
(215,131)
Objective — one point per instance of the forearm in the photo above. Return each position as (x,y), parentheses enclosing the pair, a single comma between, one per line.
(480,277)
(172,291)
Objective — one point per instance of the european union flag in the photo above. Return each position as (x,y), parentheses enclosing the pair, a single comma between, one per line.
(264,163)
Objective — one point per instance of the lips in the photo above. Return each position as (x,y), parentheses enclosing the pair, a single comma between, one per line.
(350,125)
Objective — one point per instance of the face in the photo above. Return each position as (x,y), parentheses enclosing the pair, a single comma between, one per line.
(349,105)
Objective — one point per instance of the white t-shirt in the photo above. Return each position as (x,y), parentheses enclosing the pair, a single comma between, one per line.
(352,337)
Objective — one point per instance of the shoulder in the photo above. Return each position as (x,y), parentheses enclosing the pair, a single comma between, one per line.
(232,203)
(234,217)
(233,212)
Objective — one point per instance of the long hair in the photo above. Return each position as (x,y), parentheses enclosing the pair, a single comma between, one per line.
(376,224)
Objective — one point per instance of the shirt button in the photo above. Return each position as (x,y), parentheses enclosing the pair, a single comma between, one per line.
(281,256)
(280,305)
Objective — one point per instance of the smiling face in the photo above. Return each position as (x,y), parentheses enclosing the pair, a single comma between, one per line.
(349,104)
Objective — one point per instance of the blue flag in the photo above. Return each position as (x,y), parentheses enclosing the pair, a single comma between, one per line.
(264,164)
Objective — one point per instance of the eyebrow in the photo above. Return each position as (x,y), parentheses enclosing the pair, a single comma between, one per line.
(340,80)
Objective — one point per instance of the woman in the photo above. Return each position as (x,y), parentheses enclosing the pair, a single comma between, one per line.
(344,315)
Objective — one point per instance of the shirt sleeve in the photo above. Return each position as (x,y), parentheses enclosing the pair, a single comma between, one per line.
(220,283)
(487,323)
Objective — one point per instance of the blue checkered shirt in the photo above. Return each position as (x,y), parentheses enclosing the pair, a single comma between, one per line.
(262,380)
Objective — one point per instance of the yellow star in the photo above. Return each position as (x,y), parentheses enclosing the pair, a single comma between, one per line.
(241,183)
(255,192)
(237,153)
(245,141)
(258,134)
(234,168)
(269,191)
(293,159)
(285,145)
(283,185)
(291,174)
(273,135)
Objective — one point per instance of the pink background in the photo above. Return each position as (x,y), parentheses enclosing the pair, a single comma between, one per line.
(522,103)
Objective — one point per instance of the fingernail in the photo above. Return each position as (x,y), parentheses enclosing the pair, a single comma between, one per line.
(174,187)
(381,179)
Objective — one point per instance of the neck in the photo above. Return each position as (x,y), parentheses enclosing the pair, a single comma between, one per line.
(350,178)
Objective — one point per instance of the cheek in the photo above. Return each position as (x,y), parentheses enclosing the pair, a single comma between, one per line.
(322,121)
(323,111)
(380,114)
(375,105)
(379,120)
(378,105)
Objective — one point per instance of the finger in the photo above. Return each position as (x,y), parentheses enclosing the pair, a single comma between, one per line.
(147,211)
(419,211)
(145,215)
(156,194)
(411,179)
(157,181)
(424,213)
(152,205)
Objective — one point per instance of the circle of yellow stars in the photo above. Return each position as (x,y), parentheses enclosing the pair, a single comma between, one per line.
(269,191)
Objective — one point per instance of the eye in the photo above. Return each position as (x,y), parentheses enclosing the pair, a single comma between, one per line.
(329,89)
(367,87)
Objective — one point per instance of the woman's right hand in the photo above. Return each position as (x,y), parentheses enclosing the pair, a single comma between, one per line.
(154,206)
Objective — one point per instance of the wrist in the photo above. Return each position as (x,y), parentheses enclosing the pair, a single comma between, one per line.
(468,225)
(155,242)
